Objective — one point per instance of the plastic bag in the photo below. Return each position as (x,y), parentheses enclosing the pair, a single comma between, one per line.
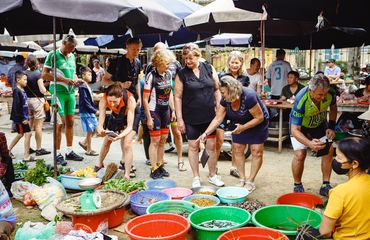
(49,193)
(35,231)
(20,188)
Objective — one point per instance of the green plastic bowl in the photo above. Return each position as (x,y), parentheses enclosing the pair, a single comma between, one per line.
(340,135)
(172,206)
(286,218)
(238,215)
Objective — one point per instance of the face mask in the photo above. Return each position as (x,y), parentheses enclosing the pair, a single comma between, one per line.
(337,168)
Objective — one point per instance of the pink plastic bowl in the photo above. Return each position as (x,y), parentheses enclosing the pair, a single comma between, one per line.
(178,193)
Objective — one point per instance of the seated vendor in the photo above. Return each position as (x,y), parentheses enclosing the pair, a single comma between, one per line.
(364,93)
(347,214)
(332,71)
(290,91)
(7,217)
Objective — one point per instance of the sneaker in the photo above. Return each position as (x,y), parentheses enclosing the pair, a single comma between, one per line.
(42,152)
(163,171)
(298,188)
(215,180)
(324,190)
(196,182)
(31,151)
(156,174)
(60,160)
(73,156)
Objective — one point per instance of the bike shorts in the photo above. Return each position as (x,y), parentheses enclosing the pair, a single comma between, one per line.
(66,103)
(161,119)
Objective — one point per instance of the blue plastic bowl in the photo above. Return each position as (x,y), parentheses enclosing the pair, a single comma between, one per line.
(70,182)
(141,200)
(232,194)
(188,198)
(160,184)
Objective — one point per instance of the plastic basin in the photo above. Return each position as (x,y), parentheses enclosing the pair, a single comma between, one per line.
(178,193)
(161,226)
(234,214)
(252,233)
(303,199)
(160,184)
(172,206)
(286,218)
(141,200)
(191,197)
(71,182)
(232,194)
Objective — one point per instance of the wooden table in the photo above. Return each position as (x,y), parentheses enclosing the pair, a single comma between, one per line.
(280,138)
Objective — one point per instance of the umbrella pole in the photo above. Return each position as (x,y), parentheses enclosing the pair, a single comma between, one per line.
(310,55)
(55,107)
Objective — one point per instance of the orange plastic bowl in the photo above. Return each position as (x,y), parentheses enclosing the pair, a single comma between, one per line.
(252,233)
(303,199)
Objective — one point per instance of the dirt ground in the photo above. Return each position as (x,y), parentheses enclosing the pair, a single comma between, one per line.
(274,178)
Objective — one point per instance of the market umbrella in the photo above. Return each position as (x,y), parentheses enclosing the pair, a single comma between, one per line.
(81,47)
(231,39)
(84,16)
(19,46)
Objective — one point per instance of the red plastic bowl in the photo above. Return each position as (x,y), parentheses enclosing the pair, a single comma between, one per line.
(252,233)
(160,226)
(178,193)
(303,199)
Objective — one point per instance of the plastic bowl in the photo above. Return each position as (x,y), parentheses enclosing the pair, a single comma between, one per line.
(238,215)
(160,184)
(205,189)
(159,226)
(252,233)
(232,194)
(303,199)
(177,193)
(194,196)
(180,207)
(70,181)
(141,200)
(286,218)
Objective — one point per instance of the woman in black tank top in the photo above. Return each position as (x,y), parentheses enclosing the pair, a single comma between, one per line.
(196,96)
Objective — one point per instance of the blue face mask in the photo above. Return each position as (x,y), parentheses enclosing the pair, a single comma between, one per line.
(337,167)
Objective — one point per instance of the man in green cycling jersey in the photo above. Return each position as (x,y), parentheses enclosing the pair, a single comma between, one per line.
(65,93)
(309,128)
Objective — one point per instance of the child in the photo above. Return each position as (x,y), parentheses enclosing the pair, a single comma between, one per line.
(88,111)
(19,114)
(7,217)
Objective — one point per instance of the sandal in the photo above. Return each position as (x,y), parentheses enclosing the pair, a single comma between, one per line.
(132,174)
(92,153)
(250,186)
(181,166)
(241,183)
(234,172)
(83,146)
(31,159)
(122,167)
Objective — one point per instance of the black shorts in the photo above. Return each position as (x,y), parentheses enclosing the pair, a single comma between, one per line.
(137,117)
(317,133)
(161,119)
(194,131)
(22,128)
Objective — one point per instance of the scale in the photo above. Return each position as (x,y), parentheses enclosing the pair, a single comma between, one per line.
(91,199)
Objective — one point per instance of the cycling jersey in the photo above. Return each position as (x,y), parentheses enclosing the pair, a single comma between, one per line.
(306,114)
(159,88)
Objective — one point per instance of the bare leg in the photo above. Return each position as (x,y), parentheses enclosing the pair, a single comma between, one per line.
(257,159)
(38,132)
(326,162)
(87,141)
(128,155)
(239,158)
(69,130)
(140,134)
(103,151)
(153,150)
(59,135)
(193,155)
(15,141)
(160,150)
(220,134)
(212,161)
(298,164)
(233,161)
(27,140)
(178,141)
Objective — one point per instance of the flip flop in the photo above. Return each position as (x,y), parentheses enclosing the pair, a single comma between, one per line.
(181,166)
(83,146)
(92,153)
(32,159)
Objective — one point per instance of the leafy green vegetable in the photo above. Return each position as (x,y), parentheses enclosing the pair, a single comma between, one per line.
(20,166)
(38,174)
(124,185)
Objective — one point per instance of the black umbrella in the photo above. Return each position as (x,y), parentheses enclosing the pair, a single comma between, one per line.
(28,17)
